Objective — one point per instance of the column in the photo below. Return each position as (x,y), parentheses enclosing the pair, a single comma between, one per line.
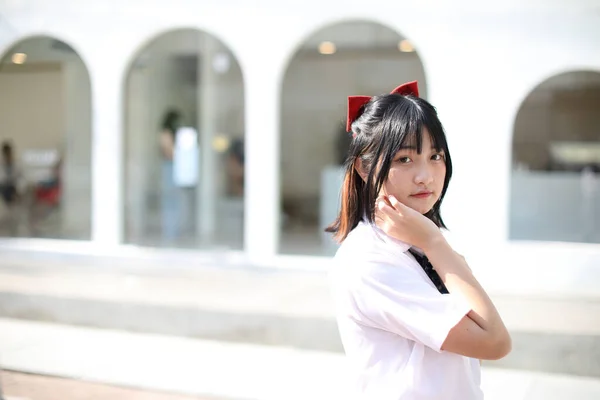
(262,209)
(107,149)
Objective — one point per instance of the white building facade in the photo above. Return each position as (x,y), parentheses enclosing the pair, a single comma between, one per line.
(255,73)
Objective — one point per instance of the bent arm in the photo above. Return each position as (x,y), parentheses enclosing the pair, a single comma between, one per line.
(481,333)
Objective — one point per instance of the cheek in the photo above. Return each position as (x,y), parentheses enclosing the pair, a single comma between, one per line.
(440,175)
(398,181)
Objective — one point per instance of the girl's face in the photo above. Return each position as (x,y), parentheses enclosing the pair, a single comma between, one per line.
(417,180)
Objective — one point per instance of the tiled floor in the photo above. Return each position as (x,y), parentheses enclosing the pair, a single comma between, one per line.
(18,386)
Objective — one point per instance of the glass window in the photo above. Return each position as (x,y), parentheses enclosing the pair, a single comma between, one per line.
(45,129)
(184,144)
(351,58)
(555,184)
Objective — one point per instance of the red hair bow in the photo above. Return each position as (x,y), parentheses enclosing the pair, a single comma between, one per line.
(356,102)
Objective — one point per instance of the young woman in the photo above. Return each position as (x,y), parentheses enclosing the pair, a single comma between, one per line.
(413,319)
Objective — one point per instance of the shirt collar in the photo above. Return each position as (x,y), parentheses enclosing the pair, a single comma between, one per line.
(388,240)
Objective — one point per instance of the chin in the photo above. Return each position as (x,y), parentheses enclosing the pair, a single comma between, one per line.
(425,210)
(421,208)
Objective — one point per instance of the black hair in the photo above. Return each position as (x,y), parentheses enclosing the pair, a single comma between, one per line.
(387,124)
(171,121)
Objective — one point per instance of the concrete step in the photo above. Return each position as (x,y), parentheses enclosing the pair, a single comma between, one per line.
(263,306)
(223,370)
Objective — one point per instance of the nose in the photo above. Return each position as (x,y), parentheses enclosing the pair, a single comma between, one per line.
(424,174)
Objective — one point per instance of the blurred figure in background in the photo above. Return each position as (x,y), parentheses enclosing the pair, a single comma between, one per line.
(10,178)
(170,199)
(235,168)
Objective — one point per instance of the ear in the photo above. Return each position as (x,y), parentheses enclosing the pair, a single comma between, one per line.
(360,169)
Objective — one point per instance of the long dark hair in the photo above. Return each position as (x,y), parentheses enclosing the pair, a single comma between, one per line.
(388,123)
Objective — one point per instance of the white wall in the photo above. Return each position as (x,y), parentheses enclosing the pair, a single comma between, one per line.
(480,63)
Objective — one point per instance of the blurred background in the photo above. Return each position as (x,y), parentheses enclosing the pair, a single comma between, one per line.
(168,170)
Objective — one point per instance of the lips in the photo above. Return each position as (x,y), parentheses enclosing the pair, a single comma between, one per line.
(422,195)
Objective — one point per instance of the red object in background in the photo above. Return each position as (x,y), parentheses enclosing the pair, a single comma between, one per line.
(48,195)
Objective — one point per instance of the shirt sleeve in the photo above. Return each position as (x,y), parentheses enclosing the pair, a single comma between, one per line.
(399,300)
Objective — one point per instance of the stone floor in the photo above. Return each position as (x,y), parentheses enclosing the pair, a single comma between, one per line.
(212,369)
(195,296)
(20,386)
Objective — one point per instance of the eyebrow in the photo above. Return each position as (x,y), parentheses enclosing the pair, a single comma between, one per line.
(415,148)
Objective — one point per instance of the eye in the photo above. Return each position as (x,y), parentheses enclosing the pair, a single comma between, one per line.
(437,157)
(403,160)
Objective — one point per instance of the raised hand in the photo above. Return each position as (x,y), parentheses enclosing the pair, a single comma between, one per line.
(406,224)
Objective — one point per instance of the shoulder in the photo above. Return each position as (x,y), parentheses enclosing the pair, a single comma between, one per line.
(365,257)
(375,282)
(368,244)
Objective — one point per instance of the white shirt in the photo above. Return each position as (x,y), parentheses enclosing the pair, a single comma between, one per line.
(393,322)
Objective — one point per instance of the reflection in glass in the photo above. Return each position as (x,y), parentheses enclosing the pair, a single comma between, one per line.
(353,58)
(45,129)
(184,120)
(555,184)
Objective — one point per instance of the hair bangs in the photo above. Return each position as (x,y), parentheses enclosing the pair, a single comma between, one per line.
(388,124)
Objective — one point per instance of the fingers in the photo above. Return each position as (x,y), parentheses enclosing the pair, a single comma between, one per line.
(384,206)
(379,221)
(381,202)
(387,200)
(394,207)
(383,221)
(395,203)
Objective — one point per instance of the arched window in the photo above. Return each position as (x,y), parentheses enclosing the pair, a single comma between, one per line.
(343,59)
(555,184)
(45,129)
(184,144)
